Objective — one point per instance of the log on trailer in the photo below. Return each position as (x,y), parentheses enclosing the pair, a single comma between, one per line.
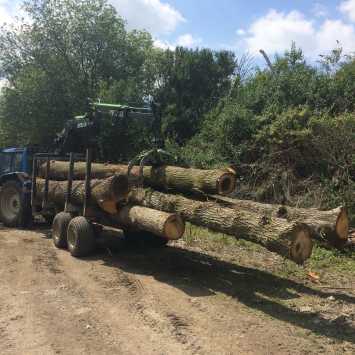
(331,226)
(289,239)
(219,181)
(105,193)
(166,225)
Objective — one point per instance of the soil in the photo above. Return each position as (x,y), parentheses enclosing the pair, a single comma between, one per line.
(173,300)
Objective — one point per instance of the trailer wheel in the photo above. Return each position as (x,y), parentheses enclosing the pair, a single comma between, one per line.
(49,219)
(14,208)
(59,229)
(81,237)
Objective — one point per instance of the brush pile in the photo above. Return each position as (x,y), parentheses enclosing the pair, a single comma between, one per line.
(172,195)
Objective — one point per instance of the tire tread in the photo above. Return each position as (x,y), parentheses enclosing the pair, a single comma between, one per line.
(82,234)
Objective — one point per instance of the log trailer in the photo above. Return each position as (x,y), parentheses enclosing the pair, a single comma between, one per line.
(75,226)
(84,198)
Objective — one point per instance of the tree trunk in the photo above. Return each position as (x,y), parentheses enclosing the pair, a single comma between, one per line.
(331,226)
(181,179)
(289,239)
(167,225)
(105,193)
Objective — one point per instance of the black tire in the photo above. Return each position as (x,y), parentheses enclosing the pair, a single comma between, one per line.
(60,228)
(49,219)
(145,239)
(81,237)
(15,209)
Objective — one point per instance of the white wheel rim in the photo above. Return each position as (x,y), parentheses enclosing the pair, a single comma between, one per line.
(10,203)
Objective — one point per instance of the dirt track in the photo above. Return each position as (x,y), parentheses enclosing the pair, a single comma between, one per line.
(166,301)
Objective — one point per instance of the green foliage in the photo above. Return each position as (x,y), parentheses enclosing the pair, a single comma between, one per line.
(323,259)
(72,50)
(32,108)
(190,84)
(289,129)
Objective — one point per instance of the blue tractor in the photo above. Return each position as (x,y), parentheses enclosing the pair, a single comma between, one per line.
(79,134)
(15,185)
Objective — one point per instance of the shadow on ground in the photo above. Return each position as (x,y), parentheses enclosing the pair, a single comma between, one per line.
(201,275)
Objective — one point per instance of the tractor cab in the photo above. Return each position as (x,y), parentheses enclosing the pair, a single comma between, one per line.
(14,160)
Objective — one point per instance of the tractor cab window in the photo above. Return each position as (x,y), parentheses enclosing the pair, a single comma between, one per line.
(17,163)
(5,163)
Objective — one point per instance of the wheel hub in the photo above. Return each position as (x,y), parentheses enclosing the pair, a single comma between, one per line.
(10,203)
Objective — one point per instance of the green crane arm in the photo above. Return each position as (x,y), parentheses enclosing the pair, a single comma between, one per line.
(107,106)
(104,105)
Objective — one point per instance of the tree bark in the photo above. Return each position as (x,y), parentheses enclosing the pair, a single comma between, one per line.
(181,179)
(331,226)
(105,193)
(166,225)
(289,239)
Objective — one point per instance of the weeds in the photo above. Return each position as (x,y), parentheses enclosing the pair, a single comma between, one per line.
(325,261)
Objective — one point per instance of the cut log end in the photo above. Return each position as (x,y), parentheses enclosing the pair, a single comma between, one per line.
(339,235)
(108,206)
(342,225)
(120,187)
(169,226)
(226,184)
(174,227)
(302,245)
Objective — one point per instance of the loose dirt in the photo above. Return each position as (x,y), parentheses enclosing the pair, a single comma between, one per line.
(174,300)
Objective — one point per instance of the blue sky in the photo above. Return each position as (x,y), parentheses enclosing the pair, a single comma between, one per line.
(245,26)
(216,22)
(242,26)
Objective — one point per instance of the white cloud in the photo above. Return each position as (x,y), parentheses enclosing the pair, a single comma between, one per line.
(348,9)
(154,16)
(275,32)
(11,12)
(6,13)
(3,83)
(163,44)
(319,10)
(187,40)
(336,30)
(240,32)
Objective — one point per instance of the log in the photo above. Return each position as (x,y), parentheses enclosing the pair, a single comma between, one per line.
(219,181)
(166,225)
(331,226)
(289,239)
(105,193)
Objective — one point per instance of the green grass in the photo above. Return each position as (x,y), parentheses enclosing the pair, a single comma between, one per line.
(332,259)
(213,241)
(325,261)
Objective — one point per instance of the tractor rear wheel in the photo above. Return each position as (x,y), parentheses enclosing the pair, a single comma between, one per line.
(81,237)
(14,208)
(60,228)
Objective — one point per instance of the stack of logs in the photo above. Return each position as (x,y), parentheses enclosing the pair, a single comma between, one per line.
(161,208)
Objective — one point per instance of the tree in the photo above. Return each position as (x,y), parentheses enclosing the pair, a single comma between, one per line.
(190,83)
(71,50)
